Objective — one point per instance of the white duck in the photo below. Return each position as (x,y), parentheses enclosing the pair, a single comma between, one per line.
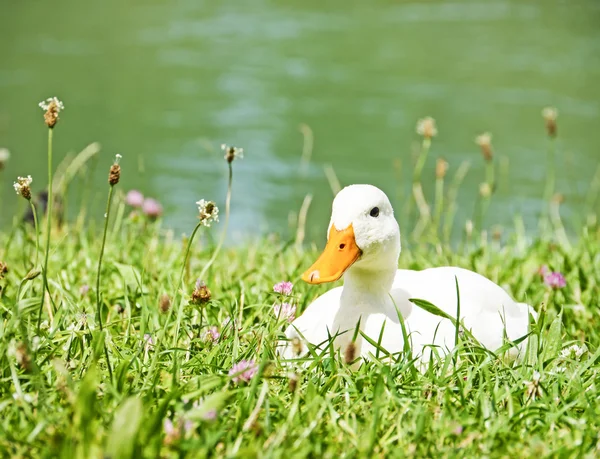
(364,245)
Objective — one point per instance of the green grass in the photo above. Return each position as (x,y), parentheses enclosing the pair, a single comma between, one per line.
(60,398)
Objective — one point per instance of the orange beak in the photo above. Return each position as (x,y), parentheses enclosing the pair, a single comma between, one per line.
(339,254)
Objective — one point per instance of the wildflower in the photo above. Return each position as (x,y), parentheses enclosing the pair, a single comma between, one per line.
(543,270)
(23,357)
(533,388)
(134,198)
(555,280)
(232,152)
(285,311)
(4,157)
(201,293)
(573,351)
(164,304)
(152,208)
(52,106)
(550,114)
(148,342)
(114,174)
(283,287)
(292,382)
(441,167)
(172,433)
(23,186)
(81,320)
(212,334)
(485,190)
(297,346)
(350,352)
(485,143)
(208,415)
(208,212)
(426,127)
(84,289)
(244,371)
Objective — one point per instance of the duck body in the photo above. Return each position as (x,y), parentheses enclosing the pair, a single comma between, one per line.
(363,246)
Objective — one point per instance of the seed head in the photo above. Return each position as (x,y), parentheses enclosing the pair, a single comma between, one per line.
(3,269)
(441,167)
(201,293)
(232,152)
(292,382)
(426,127)
(350,352)
(485,143)
(164,304)
(297,346)
(115,171)
(4,157)
(208,212)
(23,186)
(550,114)
(52,107)
(23,357)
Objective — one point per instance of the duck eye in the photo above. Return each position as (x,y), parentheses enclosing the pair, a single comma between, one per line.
(374,212)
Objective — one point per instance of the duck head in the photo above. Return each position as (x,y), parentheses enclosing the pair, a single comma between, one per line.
(363,235)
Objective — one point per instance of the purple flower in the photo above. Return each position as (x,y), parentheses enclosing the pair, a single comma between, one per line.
(152,208)
(210,415)
(212,334)
(543,270)
(244,371)
(285,311)
(84,289)
(283,287)
(134,198)
(554,280)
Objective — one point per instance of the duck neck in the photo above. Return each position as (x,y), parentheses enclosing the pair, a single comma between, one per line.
(367,286)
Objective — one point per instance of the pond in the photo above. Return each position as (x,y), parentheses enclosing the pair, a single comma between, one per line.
(165,83)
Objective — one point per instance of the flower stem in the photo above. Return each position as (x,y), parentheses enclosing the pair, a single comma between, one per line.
(98,293)
(48,228)
(37,233)
(225,225)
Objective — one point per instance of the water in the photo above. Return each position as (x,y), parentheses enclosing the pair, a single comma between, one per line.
(165,83)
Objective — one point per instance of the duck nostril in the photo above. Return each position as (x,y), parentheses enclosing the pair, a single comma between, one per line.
(342,246)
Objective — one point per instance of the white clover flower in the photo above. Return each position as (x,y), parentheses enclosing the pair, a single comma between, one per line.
(45,104)
(573,351)
(208,212)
